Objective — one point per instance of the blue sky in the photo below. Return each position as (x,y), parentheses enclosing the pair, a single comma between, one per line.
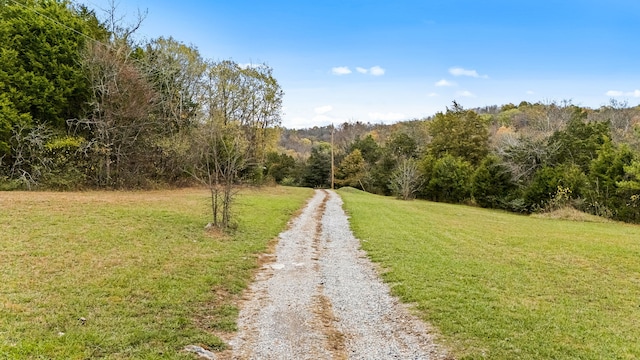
(386,61)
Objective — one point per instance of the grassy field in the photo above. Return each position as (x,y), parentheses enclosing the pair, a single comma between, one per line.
(126,275)
(503,286)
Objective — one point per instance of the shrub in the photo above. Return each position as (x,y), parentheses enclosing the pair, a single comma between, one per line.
(491,183)
(450,180)
(554,185)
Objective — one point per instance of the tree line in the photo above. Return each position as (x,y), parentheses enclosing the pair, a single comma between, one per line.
(522,158)
(83,104)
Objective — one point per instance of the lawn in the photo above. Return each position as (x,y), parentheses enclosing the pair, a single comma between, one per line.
(503,286)
(127,275)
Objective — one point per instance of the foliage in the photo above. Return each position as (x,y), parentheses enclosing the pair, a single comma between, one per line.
(28,146)
(10,119)
(605,197)
(40,46)
(174,70)
(368,147)
(218,159)
(402,146)
(515,156)
(633,172)
(352,170)
(449,180)
(565,181)
(630,210)
(377,181)
(579,142)
(318,170)
(65,74)
(525,156)
(250,96)
(84,103)
(68,166)
(459,133)
(279,166)
(491,183)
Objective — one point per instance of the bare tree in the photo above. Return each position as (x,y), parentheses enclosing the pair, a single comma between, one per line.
(119,118)
(238,106)
(121,32)
(219,151)
(27,148)
(406,180)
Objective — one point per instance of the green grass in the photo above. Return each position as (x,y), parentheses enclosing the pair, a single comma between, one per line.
(138,266)
(503,286)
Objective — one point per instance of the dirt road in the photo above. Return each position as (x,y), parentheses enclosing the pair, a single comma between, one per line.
(321,299)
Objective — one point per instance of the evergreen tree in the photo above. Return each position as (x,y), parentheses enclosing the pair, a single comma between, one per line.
(318,169)
(580,141)
(459,133)
(449,180)
(491,183)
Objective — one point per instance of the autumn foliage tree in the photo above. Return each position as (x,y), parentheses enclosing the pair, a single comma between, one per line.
(352,170)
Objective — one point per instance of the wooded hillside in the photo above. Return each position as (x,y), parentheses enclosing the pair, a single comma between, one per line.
(522,158)
(83,104)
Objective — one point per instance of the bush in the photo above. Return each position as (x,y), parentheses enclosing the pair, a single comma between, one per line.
(449,180)
(555,186)
(67,163)
(491,183)
(7,184)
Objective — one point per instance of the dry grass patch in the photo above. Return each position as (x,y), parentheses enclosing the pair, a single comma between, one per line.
(571,214)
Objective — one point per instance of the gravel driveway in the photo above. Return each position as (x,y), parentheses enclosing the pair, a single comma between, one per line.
(321,299)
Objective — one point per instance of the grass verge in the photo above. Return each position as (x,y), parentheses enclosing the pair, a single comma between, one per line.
(502,286)
(124,275)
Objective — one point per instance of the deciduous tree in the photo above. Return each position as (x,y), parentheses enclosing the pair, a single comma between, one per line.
(405,180)
(352,170)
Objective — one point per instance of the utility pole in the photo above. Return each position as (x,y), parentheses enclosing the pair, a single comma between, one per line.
(332,165)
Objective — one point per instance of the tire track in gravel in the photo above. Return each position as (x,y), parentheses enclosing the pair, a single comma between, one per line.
(323,308)
(322,299)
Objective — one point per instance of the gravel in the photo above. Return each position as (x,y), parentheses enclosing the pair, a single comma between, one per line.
(322,299)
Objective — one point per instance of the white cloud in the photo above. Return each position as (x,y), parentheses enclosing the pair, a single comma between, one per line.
(458,71)
(617,93)
(465,93)
(323,109)
(340,70)
(390,116)
(432,94)
(530,92)
(377,71)
(445,82)
(344,70)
